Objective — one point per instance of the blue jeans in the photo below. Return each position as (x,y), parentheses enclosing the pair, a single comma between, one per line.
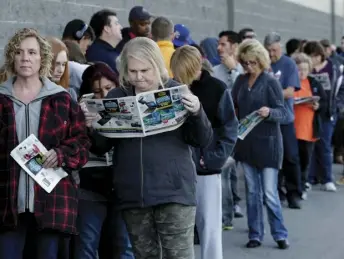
(321,162)
(91,216)
(262,184)
(227,197)
(46,243)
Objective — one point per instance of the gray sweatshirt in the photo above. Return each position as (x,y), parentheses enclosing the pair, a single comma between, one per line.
(27,118)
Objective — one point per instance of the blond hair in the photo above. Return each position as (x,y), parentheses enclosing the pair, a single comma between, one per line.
(302,58)
(252,49)
(14,44)
(186,62)
(145,50)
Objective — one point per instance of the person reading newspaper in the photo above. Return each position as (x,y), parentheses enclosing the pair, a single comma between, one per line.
(154,177)
(30,104)
(261,151)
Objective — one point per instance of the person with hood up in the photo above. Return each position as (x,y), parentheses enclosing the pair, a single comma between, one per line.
(209,47)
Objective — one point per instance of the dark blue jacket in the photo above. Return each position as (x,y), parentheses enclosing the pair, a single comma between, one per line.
(102,51)
(263,146)
(218,105)
(155,169)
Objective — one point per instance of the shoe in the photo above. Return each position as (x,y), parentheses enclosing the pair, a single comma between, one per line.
(308,187)
(227,227)
(294,202)
(330,187)
(340,181)
(283,244)
(304,196)
(237,212)
(253,244)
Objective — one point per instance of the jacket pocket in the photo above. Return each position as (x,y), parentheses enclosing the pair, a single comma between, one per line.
(264,150)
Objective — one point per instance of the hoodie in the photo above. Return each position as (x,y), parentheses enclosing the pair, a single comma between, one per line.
(28,115)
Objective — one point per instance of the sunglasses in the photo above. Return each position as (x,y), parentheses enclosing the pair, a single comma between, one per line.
(249,63)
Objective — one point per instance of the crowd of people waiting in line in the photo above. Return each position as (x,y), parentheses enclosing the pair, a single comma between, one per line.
(147,197)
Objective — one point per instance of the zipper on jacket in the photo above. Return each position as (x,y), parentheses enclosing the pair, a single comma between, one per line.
(27,185)
(141,158)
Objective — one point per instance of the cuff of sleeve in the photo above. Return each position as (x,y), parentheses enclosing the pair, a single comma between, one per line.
(60,157)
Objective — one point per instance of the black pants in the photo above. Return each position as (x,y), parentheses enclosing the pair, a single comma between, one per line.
(305,154)
(290,173)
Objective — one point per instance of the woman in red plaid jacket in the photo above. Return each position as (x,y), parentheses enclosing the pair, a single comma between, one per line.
(31,104)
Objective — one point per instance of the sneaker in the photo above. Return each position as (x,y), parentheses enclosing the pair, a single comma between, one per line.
(330,187)
(304,196)
(253,244)
(237,212)
(308,187)
(227,227)
(340,181)
(283,244)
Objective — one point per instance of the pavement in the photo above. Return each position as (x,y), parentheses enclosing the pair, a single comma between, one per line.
(315,232)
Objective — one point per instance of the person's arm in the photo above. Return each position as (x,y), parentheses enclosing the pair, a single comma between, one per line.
(278,112)
(197,130)
(225,137)
(322,94)
(72,151)
(293,81)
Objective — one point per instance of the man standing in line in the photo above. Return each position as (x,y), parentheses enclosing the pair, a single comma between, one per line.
(285,70)
(163,34)
(228,71)
(107,30)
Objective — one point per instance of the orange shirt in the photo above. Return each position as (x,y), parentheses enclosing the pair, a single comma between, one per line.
(304,114)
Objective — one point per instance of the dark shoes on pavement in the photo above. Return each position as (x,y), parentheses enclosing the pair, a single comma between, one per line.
(282,244)
(294,202)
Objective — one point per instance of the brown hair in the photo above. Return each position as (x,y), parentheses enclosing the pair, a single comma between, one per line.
(314,48)
(186,62)
(58,46)
(14,43)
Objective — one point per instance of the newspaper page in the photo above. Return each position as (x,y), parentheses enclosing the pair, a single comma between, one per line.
(145,114)
(30,156)
(248,123)
(310,99)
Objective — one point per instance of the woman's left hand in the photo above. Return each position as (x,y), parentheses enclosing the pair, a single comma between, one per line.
(264,112)
(191,103)
(50,159)
(315,106)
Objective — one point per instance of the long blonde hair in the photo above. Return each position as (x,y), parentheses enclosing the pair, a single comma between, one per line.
(186,62)
(14,43)
(145,50)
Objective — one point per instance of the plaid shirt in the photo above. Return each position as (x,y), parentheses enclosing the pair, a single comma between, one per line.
(62,128)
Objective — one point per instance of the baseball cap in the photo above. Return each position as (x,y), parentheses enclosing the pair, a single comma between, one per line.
(182,36)
(139,13)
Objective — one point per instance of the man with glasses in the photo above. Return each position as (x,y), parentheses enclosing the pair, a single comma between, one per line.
(286,71)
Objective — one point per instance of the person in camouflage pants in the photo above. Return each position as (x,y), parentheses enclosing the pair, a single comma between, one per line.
(171,225)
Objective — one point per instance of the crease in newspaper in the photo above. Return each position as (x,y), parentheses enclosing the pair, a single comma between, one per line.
(248,123)
(30,156)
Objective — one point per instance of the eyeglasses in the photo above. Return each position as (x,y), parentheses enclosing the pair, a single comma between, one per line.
(249,63)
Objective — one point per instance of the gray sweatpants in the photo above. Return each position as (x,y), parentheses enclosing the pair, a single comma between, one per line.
(209,215)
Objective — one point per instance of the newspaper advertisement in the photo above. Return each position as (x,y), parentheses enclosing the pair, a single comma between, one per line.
(142,115)
(248,123)
(310,99)
(30,156)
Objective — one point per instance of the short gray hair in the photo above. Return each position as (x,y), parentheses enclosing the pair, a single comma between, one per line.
(271,38)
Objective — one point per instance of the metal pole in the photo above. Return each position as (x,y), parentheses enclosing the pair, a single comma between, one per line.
(333,21)
(230,14)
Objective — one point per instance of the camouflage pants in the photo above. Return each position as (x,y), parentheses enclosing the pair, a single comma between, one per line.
(164,231)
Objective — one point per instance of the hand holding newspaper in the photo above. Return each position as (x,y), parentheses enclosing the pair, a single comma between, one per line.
(30,156)
(247,124)
(142,115)
(310,99)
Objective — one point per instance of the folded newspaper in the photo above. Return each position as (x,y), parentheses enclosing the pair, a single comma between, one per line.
(309,99)
(248,123)
(142,115)
(30,156)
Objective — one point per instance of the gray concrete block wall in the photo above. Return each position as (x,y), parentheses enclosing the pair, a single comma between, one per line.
(289,19)
(204,17)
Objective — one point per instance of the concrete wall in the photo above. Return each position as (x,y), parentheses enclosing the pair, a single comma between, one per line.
(204,17)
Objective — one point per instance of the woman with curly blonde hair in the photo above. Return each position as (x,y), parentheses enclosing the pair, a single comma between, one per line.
(32,104)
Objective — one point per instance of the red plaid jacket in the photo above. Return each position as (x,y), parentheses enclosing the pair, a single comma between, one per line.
(61,127)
